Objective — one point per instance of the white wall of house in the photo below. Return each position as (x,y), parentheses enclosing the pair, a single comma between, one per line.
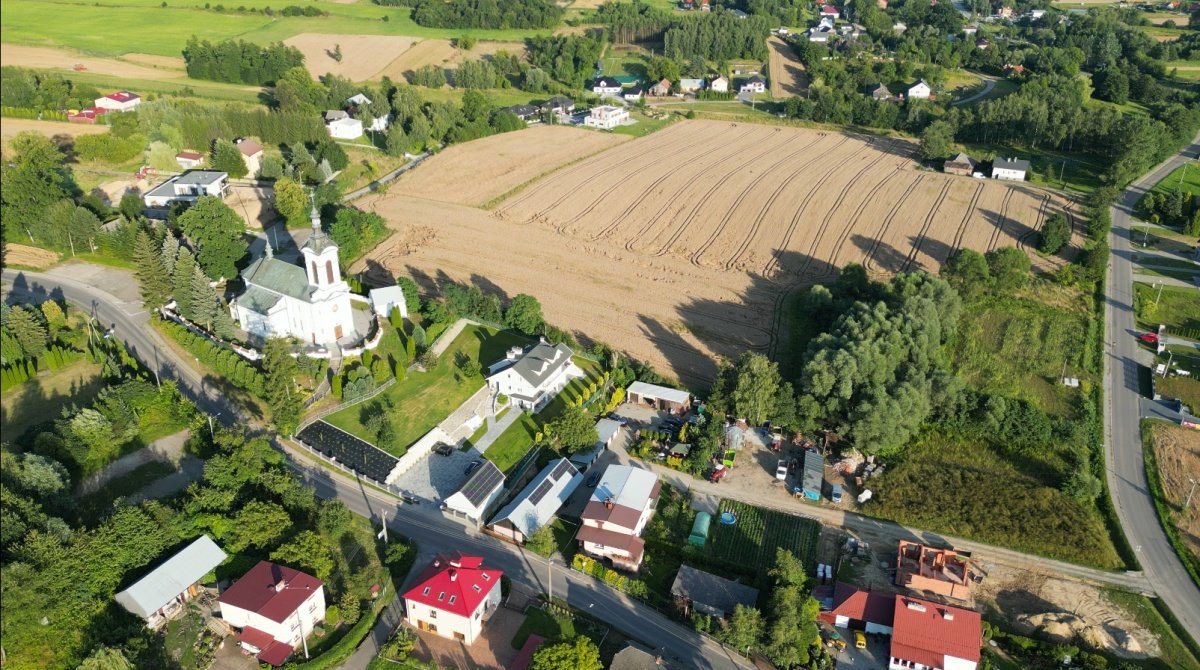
(949,662)
(604,551)
(1008,175)
(606,117)
(253,163)
(510,383)
(919,91)
(451,625)
(116,105)
(345,129)
(310,613)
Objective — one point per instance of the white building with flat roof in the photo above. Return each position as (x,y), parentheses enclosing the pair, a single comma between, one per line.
(607,117)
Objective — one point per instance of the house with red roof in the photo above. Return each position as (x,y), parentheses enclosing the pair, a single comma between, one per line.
(868,611)
(121,101)
(453,597)
(831,12)
(929,635)
(275,607)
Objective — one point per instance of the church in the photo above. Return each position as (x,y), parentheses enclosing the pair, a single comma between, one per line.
(310,303)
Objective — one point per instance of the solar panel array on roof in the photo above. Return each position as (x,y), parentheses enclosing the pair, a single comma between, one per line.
(540,492)
(563,467)
(482,482)
(364,457)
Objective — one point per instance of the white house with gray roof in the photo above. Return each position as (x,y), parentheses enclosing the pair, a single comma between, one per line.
(538,502)
(309,302)
(162,593)
(478,493)
(186,188)
(1010,169)
(532,376)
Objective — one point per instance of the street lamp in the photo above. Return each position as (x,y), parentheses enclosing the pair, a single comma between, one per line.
(299,621)
(1159,295)
(1188,500)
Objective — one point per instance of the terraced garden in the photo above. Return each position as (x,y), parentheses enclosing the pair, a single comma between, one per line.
(752,541)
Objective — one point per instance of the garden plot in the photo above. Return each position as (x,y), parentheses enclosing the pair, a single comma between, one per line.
(363,56)
(752,541)
(679,246)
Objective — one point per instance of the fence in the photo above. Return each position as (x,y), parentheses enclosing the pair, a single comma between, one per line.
(348,403)
(246,353)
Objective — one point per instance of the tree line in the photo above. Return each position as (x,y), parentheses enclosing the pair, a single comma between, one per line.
(489,14)
(239,62)
(28,89)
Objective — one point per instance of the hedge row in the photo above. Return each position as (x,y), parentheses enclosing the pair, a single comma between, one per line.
(343,648)
(26,113)
(630,585)
(230,365)
(23,370)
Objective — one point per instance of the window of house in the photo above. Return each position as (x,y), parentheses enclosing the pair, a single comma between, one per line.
(432,613)
(295,625)
(476,587)
(452,599)
(441,596)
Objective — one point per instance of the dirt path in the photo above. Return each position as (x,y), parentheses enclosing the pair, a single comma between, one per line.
(168,450)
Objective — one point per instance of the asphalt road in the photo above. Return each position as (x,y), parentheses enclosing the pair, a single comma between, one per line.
(1122,438)
(428,528)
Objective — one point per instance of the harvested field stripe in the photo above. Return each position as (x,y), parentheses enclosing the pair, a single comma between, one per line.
(916,247)
(812,250)
(791,229)
(1023,241)
(691,217)
(656,163)
(962,227)
(645,194)
(832,268)
(762,213)
(1003,218)
(870,263)
(629,245)
(720,228)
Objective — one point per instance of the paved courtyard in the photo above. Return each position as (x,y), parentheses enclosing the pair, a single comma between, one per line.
(435,477)
(874,657)
(493,649)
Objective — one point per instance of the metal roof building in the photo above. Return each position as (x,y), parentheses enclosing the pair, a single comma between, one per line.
(157,595)
(538,502)
(814,474)
(478,493)
(711,594)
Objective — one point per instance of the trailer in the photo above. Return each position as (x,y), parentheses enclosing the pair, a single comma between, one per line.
(814,474)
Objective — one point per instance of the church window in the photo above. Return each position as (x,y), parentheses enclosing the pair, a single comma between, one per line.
(329,271)
(315,276)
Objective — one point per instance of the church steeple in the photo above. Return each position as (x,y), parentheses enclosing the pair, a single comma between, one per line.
(320,254)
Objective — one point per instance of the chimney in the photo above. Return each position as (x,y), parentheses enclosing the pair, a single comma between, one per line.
(608,503)
(453,575)
(280,585)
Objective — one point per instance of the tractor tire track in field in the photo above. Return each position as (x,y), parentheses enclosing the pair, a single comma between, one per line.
(699,206)
(853,221)
(966,220)
(921,236)
(546,181)
(762,213)
(787,236)
(869,261)
(629,245)
(1023,242)
(651,220)
(742,196)
(646,193)
(675,148)
(1001,221)
(820,236)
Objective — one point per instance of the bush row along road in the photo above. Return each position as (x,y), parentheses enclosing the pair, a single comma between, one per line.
(1122,436)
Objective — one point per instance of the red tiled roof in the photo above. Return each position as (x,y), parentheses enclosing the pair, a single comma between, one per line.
(190,155)
(855,603)
(255,637)
(276,653)
(829,9)
(525,656)
(626,517)
(249,147)
(923,634)
(256,591)
(455,584)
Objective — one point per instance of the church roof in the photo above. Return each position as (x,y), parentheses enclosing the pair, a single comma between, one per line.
(258,300)
(279,277)
(318,241)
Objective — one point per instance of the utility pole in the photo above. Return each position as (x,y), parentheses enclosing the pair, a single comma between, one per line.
(1188,500)
(1170,359)
(550,577)
(385,538)
(1160,285)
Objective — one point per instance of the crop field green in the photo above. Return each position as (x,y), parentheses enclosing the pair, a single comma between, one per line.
(752,541)
(104,29)
(1018,347)
(1185,178)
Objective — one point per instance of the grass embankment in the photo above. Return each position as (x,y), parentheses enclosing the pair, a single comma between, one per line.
(1172,455)
(43,398)
(1178,651)
(104,29)
(423,399)
(1176,308)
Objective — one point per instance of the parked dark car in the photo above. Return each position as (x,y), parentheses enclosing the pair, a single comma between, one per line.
(443,450)
(471,467)
(593,479)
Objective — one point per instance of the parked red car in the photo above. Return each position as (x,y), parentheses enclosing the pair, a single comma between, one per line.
(1149,338)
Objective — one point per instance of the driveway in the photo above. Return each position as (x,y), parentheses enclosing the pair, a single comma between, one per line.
(492,649)
(874,657)
(435,477)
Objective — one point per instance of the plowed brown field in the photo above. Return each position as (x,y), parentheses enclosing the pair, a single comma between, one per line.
(680,246)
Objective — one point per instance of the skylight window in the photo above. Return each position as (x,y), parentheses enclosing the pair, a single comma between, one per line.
(425,591)
(476,587)
(452,599)
(441,596)
(486,577)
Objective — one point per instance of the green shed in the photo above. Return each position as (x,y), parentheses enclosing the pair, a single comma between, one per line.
(699,536)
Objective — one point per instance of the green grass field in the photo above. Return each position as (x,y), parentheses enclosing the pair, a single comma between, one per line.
(423,399)
(1178,308)
(104,28)
(1184,70)
(1186,178)
(1019,348)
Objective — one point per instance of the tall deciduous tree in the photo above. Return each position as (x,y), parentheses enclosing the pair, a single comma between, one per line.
(525,314)
(1009,267)
(756,388)
(282,396)
(937,140)
(744,628)
(291,201)
(306,551)
(573,430)
(216,232)
(259,524)
(153,280)
(106,658)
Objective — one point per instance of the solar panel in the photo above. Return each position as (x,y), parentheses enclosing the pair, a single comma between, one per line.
(482,482)
(542,490)
(563,467)
(364,457)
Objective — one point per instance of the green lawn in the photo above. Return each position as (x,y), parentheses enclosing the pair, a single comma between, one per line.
(644,126)
(1178,308)
(1184,70)
(1056,169)
(1186,178)
(423,399)
(104,28)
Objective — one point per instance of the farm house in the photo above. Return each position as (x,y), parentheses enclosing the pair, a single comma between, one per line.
(659,397)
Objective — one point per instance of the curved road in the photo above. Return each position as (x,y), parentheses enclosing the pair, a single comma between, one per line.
(1122,435)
